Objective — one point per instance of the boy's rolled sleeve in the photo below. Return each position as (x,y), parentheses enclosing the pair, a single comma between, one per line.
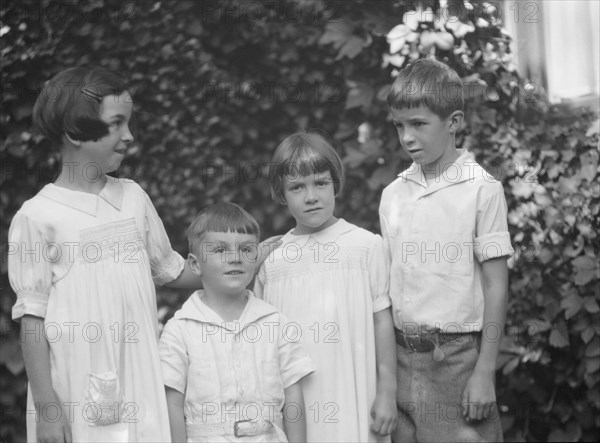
(294,361)
(492,238)
(379,276)
(174,360)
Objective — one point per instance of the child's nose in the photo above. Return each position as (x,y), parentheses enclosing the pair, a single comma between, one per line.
(127,136)
(407,137)
(233,257)
(310,195)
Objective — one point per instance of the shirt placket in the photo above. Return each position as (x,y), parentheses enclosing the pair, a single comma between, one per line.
(413,254)
(238,356)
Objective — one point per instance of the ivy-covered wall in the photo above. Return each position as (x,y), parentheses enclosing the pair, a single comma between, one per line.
(218,84)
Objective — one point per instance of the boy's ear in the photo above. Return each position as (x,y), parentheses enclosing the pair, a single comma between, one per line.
(72,140)
(455,121)
(194,264)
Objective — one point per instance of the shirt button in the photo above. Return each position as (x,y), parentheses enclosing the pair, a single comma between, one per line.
(237,364)
(241,391)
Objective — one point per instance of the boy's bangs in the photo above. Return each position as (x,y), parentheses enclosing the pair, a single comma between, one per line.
(229,223)
(221,217)
(413,95)
(406,95)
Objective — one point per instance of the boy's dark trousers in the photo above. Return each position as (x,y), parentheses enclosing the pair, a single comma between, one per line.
(430,390)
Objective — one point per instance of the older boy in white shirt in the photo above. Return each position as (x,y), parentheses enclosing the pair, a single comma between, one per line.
(444,224)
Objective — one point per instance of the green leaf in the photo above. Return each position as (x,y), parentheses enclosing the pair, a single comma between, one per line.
(591,305)
(593,348)
(586,269)
(559,337)
(587,334)
(589,165)
(380,24)
(336,33)
(592,365)
(360,95)
(352,47)
(536,326)
(594,129)
(569,185)
(571,304)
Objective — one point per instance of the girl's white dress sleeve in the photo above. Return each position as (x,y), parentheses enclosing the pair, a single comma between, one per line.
(29,268)
(165,263)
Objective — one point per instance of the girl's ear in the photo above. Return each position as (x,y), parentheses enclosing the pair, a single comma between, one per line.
(194,264)
(455,121)
(72,140)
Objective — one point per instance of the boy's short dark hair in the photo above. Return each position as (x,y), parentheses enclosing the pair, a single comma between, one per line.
(221,217)
(70,102)
(301,154)
(429,83)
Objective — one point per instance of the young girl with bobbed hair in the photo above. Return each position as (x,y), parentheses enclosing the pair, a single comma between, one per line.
(87,250)
(330,277)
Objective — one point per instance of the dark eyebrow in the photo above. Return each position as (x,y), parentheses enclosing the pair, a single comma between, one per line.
(249,242)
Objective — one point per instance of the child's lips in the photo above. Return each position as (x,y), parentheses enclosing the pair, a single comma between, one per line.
(234,272)
(312,210)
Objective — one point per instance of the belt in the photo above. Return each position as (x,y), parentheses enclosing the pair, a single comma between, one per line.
(429,341)
(240,428)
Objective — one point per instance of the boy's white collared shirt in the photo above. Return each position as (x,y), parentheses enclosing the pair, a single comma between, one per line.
(230,371)
(436,238)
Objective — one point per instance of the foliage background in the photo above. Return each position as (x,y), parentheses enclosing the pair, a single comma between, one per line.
(219,84)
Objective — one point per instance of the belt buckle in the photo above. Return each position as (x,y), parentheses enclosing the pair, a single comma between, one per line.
(409,342)
(236,428)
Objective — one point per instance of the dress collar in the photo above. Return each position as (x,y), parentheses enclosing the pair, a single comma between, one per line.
(112,193)
(195,309)
(327,235)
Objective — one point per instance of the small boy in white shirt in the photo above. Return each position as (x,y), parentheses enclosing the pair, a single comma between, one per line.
(231,364)
(444,225)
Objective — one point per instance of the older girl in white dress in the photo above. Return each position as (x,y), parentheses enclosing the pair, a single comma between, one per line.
(85,253)
(330,277)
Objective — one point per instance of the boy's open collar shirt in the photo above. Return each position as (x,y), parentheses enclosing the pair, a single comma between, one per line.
(436,238)
(223,367)
(195,309)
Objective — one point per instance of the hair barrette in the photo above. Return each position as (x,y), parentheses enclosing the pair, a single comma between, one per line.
(88,92)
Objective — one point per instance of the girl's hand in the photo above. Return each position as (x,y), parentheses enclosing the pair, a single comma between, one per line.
(384,413)
(50,430)
(266,247)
